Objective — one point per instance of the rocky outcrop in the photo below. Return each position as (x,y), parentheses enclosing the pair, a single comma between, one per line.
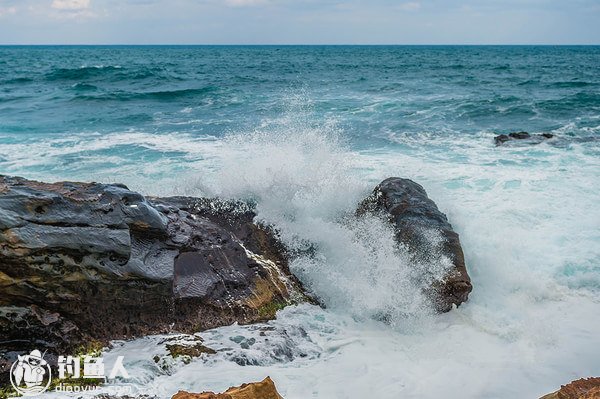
(89,262)
(85,263)
(585,388)
(255,390)
(522,137)
(415,217)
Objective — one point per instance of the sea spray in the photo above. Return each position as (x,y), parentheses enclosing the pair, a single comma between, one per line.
(301,177)
(527,216)
(513,338)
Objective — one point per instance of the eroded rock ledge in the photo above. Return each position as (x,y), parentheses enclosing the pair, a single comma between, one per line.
(264,389)
(89,262)
(85,263)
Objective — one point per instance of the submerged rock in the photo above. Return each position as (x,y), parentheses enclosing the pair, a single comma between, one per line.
(85,263)
(584,388)
(254,390)
(195,350)
(415,217)
(522,137)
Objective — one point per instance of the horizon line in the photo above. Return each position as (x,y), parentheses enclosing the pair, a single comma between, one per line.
(298,44)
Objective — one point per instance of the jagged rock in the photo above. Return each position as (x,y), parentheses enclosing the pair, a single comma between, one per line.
(414,216)
(584,388)
(254,390)
(522,137)
(89,262)
(195,350)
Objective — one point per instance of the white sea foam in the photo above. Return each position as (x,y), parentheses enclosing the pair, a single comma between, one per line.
(304,182)
(138,159)
(528,220)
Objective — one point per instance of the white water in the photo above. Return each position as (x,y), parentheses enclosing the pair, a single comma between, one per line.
(528,219)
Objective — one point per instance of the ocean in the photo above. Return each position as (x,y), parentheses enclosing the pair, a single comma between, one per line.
(306,132)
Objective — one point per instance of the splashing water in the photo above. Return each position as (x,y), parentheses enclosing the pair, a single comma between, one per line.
(527,215)
(302,178)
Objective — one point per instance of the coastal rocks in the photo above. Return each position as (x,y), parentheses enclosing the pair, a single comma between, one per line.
(522,137)
(255,390)
(182,349)
(585,388)
(177,350)
(85,263)
(415,218)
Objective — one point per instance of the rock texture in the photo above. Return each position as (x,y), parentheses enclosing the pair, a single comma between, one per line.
(89,262)
(414,217)
(581,389)
(85,263)
(522,137)
(255,390)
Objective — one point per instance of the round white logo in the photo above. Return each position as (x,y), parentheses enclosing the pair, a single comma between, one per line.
(30,375)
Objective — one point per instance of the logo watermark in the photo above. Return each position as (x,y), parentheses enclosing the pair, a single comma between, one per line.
(31,374)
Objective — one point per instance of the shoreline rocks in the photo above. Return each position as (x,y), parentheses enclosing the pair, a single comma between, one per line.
(264,389)
(85,263)
(414,216)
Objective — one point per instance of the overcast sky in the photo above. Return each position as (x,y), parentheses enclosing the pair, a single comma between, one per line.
(299,22)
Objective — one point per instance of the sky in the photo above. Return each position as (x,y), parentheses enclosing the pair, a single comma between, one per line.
(299,22)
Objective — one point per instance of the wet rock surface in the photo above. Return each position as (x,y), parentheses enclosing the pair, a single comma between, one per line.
(85,263)
(416,218)
(89,262)
(522,138)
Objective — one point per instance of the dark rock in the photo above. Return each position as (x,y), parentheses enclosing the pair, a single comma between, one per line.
(89,262)
(414,216)
(519,135)
(522,137)
(501,139)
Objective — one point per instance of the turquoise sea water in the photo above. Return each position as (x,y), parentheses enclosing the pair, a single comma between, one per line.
(306,132)
(378,95)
